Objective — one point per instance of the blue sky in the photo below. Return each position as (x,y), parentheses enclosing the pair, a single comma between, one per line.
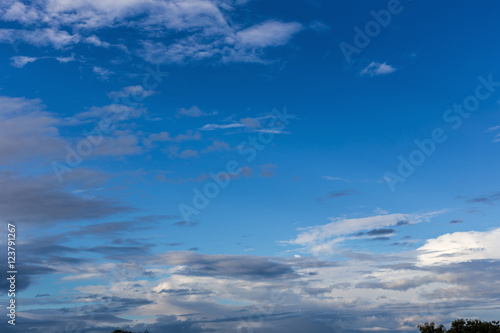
(242,165)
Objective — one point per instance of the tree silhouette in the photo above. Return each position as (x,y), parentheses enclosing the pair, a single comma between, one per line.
(431,328)
(463,326)
(474,326)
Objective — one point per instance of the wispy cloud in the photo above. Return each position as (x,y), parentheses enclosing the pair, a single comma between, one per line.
(194,112)
(377,68)
(336,179)
(322,239)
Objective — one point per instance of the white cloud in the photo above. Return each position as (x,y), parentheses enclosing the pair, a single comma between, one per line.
(40,37)
(212,127)
(94,40)
(202,26)
(137,91)
(377,68)
(336,178)
(460,247)
(21,61)
(102,73)
(271,33)
(251,124)
(321,239)
(65,59)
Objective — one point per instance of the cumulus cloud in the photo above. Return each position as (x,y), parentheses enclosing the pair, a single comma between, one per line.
(460,247)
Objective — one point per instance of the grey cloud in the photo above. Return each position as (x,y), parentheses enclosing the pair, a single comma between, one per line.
(381,238)
(27,131)
(245,267)
(342,193)
(490,198)
(184,292)
(43,200)
(376,232)
(25,277)
(185,224)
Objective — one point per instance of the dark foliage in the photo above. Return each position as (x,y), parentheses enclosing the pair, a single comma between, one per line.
(431,328)
(463,326)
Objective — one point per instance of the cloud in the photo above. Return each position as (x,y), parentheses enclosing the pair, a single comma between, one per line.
(136,91)
(322,239)
(490,198)
(42,37)
(342,193)
(21,61)
(188,153)
(264,124)
(460,247)
(113,112)
(319,26)
(336,178)
(376,232)
(27,131)
(212,127)
(196,30)
(233,266)
(377,68)
(267,170)
(118,145)
(270,33)
(102,73)
(185,224)
(165,137)
(193,112)
(41,200)
(216,146)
